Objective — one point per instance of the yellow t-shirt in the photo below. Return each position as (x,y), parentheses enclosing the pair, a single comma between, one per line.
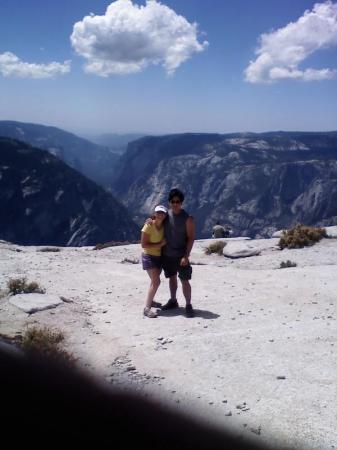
(155,237)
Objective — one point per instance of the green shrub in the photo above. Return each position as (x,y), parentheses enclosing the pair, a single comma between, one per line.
(215,247)
(20,286)
(301,236)
(288,263)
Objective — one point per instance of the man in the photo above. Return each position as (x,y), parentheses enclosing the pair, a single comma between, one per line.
(179,231)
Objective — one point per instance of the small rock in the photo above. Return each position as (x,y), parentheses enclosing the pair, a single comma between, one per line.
(129,368)
(228,414)
(256,430)
(66,300)
(280,377)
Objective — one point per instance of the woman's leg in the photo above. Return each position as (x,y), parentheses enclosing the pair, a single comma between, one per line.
(154,275)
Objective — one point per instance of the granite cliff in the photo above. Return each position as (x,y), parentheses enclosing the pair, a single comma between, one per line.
(256,183)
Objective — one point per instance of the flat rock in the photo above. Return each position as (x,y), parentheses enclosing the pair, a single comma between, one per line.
(240,250)
(277,234)
(31,303)
(331,231)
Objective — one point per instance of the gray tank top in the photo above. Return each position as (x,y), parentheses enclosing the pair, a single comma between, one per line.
(175,234)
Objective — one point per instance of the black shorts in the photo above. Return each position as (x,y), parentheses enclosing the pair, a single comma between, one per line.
(172,266)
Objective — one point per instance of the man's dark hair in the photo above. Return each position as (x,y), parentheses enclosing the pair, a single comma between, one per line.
(176,193)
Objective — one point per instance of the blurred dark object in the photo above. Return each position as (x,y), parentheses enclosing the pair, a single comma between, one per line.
(47,403)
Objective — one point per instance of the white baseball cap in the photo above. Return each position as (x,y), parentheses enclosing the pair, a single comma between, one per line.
(160,208)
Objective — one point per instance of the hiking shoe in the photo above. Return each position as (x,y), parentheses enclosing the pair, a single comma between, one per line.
(156,304)
(149,313)
(189,311)
(170,305)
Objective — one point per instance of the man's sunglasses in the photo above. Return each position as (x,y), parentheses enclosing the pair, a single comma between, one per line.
(175,201)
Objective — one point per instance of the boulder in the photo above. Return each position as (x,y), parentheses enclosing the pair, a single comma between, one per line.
(31,303)
(331,231)
(277,234)
(241,253)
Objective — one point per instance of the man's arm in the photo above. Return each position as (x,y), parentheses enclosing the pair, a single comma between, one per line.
(190,230)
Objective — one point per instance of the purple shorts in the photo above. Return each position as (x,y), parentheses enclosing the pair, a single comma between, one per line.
(151,262)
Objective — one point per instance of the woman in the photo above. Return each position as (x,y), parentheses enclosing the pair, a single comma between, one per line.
(152,240)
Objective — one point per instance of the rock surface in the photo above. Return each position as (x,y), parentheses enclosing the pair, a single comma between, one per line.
(262,339)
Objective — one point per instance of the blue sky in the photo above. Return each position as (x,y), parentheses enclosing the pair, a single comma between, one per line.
(145,67)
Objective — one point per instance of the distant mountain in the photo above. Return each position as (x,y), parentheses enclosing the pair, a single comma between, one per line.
(44,201)
(117,143)
(92,160)
(256,183)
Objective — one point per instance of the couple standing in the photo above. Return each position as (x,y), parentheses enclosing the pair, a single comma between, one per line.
(167,241)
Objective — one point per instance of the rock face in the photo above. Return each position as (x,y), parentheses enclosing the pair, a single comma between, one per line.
(94,161)
(43,201)
(256,183)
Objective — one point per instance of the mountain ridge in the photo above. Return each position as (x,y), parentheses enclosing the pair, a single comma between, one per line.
(46,202)
(256,183)
(94,161)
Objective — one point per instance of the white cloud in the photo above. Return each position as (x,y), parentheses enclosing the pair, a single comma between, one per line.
(282,51)
(12,66)
(129,38)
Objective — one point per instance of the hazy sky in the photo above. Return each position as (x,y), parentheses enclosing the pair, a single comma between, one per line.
(171,66)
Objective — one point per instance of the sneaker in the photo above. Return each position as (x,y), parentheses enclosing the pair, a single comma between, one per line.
(156,304)
(189,311)
(149,313)
(170,305)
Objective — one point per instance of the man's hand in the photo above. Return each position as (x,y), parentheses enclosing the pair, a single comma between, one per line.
(184,261)
(163,242)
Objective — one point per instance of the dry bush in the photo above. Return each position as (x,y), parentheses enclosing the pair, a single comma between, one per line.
(20,286)
(215,247)
(114,244)
(130,261)
(288,263)
(301,236)
(46,342)
(49,249)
